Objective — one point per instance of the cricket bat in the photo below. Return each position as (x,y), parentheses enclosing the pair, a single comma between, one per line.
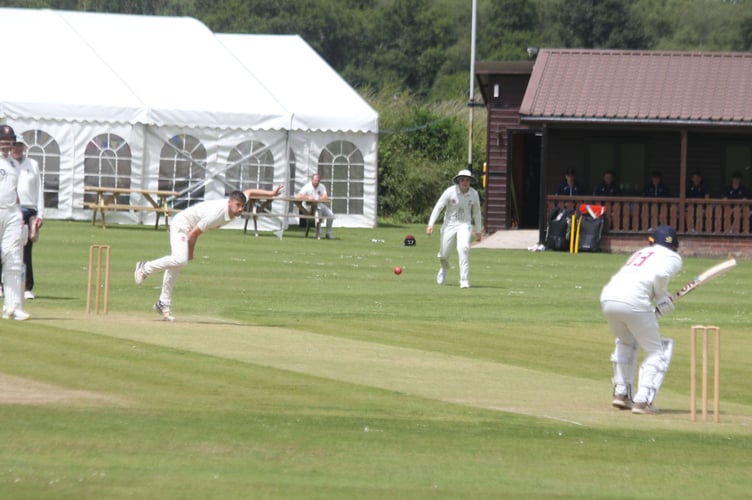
(706,276)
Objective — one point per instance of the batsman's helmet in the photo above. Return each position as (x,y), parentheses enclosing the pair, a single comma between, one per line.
(664,236)
(409,240)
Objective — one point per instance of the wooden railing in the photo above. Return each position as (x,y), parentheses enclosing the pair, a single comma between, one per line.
(630,215)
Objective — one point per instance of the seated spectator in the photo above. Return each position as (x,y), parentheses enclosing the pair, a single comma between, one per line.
(696,187)
(656,188)
(608,186)
(735,191)
(569,186)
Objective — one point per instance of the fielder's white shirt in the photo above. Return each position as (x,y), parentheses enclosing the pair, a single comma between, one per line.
(206,215)
(30,190)
(461,208)
(644,278)
(8,184)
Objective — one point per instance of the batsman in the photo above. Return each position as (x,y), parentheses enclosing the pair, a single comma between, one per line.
(632,301)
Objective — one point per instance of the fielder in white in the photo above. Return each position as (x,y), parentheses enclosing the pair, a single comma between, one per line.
(11,222)
(185,228)
(461,206)
(628,305)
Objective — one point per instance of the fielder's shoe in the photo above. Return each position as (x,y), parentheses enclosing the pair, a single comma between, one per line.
(622,402)
(164,310)
(441,276)
(139,275)
(28,295)
(644,408)
(17,314)
(464,284)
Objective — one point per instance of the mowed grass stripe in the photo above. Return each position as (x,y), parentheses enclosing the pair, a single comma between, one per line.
(426,374)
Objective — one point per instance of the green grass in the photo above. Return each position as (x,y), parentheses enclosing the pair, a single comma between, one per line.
(301,368)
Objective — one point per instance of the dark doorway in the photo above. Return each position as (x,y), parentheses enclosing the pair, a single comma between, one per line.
(524,177)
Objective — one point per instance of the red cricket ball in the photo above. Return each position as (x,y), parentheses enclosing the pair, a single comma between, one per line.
(398,270)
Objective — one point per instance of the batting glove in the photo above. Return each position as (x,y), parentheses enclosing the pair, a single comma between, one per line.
(664,306)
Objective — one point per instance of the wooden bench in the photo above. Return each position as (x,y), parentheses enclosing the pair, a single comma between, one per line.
(107,200)
(261,207)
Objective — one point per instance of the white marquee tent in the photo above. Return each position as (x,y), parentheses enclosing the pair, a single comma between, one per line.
(161,102)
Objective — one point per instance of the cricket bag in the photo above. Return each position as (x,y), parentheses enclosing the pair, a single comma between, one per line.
(559,229)
(591,230)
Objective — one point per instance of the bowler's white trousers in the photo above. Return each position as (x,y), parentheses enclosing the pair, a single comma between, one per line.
(171,264)
(459,234)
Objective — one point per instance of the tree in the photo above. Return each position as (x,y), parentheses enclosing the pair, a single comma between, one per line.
(506,28)
(607,24)
(409,44)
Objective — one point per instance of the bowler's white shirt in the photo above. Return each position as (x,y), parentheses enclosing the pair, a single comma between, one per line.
(461,208)
(644,278)
(205,215)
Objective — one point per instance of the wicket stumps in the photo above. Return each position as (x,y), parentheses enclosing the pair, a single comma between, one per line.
(705,331)
(95,278)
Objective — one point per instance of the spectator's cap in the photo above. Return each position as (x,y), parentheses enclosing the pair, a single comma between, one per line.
(463,173)
(7,133)
(664,236)
(19,143)
(736,175)
(569,171)
(409,240)
(656,173)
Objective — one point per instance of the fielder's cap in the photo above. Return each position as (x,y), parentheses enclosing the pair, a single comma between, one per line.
(664,236)
(409,240)
(463,173)
(6,132)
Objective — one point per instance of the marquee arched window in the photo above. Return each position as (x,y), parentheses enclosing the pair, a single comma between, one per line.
(107,163)
(43,148)
(182,168)
(250,166)
(342,171)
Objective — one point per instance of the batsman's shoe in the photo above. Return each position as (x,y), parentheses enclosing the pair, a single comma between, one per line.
(164,310)
(139,275)
(441,276)
(622,402)
(644,408)
(17,314)
(464,284)
(28,295)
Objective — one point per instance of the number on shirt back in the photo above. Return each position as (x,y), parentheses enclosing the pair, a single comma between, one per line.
(639,258)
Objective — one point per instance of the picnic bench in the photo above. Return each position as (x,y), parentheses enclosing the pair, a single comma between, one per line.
(107,200)
(261,206)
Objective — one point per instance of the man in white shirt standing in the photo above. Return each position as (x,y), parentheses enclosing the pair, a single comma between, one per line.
(185,228)
(314,190)
(461,205)
(31,196)
(632,301)
(11,221)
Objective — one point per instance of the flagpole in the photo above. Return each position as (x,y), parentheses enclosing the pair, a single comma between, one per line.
(471,103)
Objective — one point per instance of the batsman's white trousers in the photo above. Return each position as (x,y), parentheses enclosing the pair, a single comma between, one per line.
(171,264)
(11,253)
(630,329)
(459,234)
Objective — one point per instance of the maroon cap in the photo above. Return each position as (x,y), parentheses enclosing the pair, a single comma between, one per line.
(6,132)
